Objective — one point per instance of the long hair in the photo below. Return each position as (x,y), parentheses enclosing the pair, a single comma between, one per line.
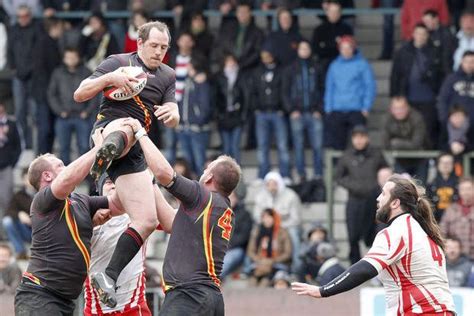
(413,200)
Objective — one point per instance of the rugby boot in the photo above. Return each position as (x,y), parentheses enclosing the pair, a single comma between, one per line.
(103,159)
(105,287)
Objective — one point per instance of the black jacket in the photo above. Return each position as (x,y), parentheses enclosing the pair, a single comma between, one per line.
(21,52)
(293,86)
(10,144)
(20,201)
(47,58)
(324,39)
(357,170)
(445,42)
(267,89)
(234,113)
(283,45)
(242,228)
(402,65)
(443,192)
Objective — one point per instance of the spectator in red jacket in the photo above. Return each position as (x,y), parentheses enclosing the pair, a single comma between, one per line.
(138,18)
(412,13)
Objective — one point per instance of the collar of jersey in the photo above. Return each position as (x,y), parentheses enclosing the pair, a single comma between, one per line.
(393,219)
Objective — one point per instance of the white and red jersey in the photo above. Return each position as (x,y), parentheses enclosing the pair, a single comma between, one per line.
(131,281)
(412,268)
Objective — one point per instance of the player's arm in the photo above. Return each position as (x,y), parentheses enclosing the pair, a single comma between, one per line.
(164,211)
(357,274)
(168,113)
(75,172)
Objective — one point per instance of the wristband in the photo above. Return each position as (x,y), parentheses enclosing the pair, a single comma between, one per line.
(141,132)
(169,185)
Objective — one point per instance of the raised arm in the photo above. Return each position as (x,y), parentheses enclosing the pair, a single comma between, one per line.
(74,173)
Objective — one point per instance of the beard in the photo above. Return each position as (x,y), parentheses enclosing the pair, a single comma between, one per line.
(383,213)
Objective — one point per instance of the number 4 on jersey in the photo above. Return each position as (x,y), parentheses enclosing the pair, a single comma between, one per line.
(435,253)
(225,222)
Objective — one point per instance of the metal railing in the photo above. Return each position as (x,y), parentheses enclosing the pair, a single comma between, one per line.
(330,155)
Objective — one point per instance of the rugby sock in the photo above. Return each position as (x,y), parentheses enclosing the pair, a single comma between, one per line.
(119,139)
(127,247)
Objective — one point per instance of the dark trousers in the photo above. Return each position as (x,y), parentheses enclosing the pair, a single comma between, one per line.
(430,117)
(338,126)
(45,122)
(34,301)
(196,300)
(360,225)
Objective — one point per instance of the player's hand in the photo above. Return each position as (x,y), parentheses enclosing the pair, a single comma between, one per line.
(121,79)
(97,137)
(168,113)
(134,124)
(101,217)
(306,289)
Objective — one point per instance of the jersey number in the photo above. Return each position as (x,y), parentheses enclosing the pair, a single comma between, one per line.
(224,222)
(435,253)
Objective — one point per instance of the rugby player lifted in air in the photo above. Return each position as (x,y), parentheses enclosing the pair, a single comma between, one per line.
(123,159)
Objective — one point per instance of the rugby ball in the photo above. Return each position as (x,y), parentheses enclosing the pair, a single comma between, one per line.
(119,94)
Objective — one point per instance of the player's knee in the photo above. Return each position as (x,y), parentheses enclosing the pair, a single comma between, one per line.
(148,224)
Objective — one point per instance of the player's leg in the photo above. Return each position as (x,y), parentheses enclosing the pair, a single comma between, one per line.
(136,193)
(118,139)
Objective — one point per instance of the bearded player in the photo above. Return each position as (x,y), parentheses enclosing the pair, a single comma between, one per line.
(408,256)
(123,159)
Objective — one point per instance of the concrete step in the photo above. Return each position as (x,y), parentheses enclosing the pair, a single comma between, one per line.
(381,68)
(371,34)
(311,212)
(383,86)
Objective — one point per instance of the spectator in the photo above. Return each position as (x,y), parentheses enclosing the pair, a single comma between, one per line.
(3,45)
(443,40)
(416,74)
(442,190)
(309,265)
(277,196)
(412,13)
(458,220)
(240,236)
(97,42)
(180,62)
(47,58)
(21,55)
(326,35)
(404,129)
(183,10)
(17,222)
(231,105)
(460,134)
(269,249)
(350,93)
(281,280)
(10,150)
(10,272)
(275,4)
(465,38)
(284,42)
(138,18)
(303,94)
(458,266)
(330,266)
(458,89)
(195,112)
(270,120)
(182,167)
(243,41)
(356,171)
(71,116)
(52,6)
(388,29)
(203,39)
(13,6)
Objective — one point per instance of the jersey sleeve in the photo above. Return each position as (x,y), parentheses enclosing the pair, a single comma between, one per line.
(45,202)
(97,202)
(169,95)
(189,192)
(108,65)
(389,247)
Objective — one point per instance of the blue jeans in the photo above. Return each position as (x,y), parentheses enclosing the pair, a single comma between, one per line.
(314,129)
(231,142)
(194,145)
(24,102)
(232,260)
(295,237)
(64,129)
(17,232)
(268,124)
(170,144)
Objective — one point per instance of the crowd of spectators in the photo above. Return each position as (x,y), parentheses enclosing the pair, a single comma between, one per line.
(273,86)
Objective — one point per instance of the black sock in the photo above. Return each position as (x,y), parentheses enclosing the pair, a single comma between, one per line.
(119,139)
(127,247)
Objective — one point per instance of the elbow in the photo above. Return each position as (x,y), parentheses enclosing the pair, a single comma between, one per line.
(78,97)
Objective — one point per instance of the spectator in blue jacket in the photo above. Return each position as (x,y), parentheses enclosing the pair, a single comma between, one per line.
(303,97)
(458,89)
(195,112)
(350,93)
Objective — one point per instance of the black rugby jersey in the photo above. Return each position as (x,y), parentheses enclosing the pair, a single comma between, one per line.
(159,89)
(200,236)
(61,238)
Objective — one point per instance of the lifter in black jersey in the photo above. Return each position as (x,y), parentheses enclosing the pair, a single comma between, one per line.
(127,165)
(200,231)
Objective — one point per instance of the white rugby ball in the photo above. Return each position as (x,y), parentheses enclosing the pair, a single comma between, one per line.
(119,94)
